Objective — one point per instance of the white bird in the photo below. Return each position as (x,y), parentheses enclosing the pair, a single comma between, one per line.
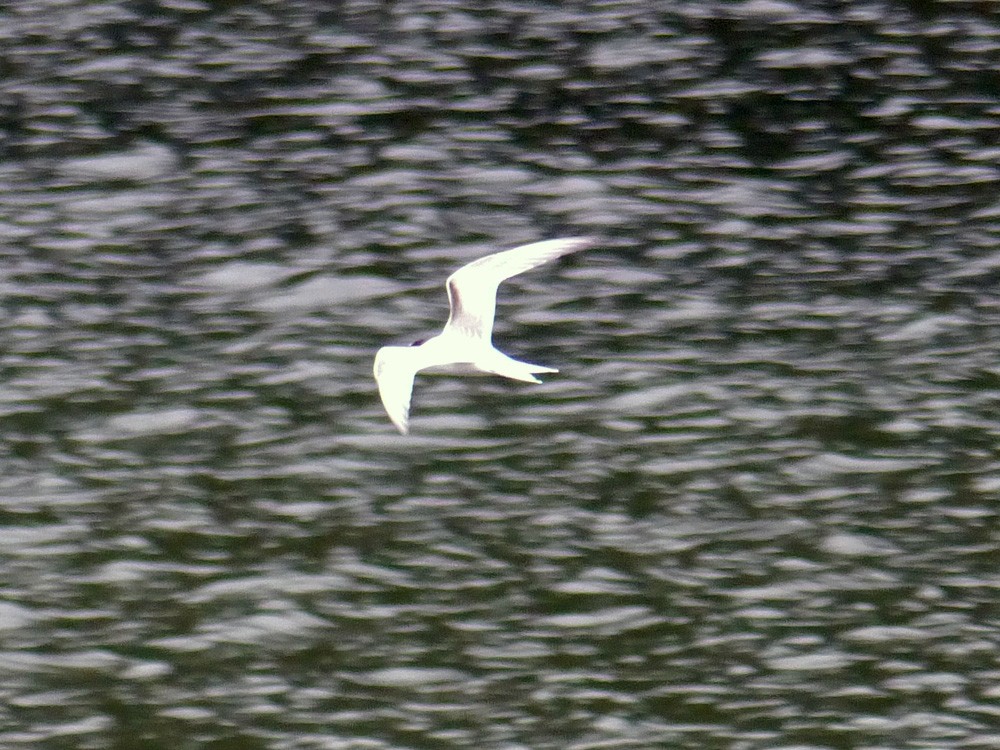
(465,345)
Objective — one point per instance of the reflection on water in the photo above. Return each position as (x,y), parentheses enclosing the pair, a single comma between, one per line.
(754,509)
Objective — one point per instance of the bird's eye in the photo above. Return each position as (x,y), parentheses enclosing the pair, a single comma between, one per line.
(418,342)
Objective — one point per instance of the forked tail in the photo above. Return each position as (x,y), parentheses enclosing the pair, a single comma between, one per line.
(517,370)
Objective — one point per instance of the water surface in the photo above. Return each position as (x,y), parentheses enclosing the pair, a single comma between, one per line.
(755,509)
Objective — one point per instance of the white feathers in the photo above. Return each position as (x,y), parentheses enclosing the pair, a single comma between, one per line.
(465,343)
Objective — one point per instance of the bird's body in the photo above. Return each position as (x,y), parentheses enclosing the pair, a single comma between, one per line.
(465,345)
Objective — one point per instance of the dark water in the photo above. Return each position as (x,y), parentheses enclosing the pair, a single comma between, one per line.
(757,508)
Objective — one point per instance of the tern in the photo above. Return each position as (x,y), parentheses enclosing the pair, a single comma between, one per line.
(465,345)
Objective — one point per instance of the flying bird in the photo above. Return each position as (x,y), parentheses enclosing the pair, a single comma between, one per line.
(465,345)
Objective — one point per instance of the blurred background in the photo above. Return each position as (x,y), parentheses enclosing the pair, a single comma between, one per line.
(757,507)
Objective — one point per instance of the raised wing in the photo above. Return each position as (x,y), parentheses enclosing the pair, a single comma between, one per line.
(394,372)
(472,289)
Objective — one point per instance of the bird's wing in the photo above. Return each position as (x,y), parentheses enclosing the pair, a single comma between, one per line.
(394,371)
(472,289)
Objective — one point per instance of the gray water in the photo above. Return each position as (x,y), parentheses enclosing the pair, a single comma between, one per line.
(757,507)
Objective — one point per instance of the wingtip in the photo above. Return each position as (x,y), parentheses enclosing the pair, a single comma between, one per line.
(394,379)
(583,241)
(576,244)
(400,421)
